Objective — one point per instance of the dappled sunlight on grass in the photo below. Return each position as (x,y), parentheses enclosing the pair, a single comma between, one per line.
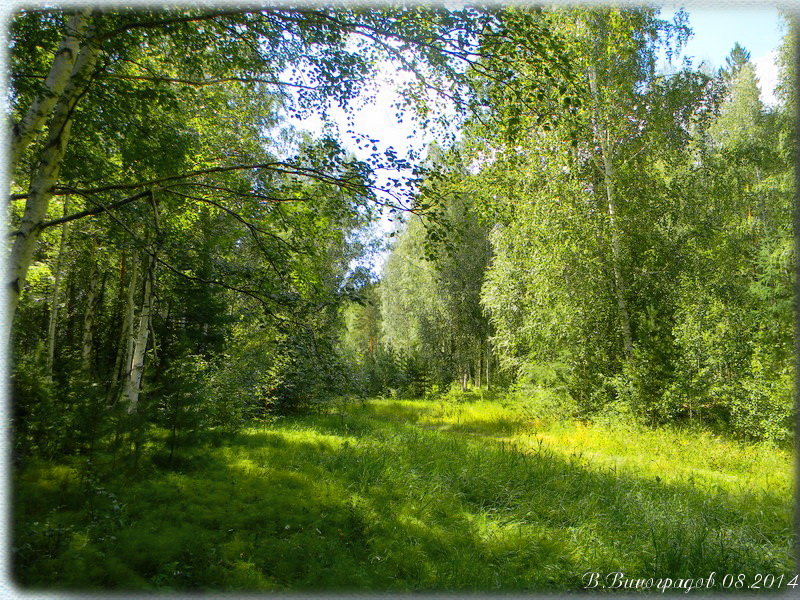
(674,455)
(669,453)
(402,495)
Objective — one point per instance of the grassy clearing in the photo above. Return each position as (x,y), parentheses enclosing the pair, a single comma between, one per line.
(411,495)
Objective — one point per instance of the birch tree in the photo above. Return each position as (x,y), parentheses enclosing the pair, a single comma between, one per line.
(45,175)
(582,205)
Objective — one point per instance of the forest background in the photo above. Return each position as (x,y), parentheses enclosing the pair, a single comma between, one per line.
(596,240)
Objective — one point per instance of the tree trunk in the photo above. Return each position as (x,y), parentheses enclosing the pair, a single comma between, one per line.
(620,287)
(488,361)
(46,174)
(619,280)
(479,366)
(134,379)
(26,131)
(88,321)
(125,347)
(55,297)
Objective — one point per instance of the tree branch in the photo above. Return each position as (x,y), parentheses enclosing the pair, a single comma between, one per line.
(277,167)
(253,229)
(172,21)
(94,211)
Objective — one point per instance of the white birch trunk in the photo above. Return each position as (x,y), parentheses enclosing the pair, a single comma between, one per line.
(46,175)
(41,108)
(479,366)
(88,322)
(55,297)
(125,347)
(602,137)
(139,342)
(619,279)
(488,363)
(130,329)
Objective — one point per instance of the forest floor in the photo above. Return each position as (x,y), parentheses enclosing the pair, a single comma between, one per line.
(413,495)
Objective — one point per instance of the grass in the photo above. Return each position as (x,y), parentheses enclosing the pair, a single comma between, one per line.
(411,495)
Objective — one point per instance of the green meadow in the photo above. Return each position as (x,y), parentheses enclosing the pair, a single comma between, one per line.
(408,495)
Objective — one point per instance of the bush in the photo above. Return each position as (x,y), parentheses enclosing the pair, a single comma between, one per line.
(36,421)
(50,419)
(543,392)
(305,372)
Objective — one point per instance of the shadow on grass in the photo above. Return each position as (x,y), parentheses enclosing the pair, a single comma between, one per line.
(326,503)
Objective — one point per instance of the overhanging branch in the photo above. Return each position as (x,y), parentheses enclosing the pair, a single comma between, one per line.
(98,209)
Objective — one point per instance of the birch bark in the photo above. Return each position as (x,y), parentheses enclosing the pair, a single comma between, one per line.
(125,348)
(26,131)
(139,342)
(88,321)
(601,135)
(488,364)
(55,297)
(46,175)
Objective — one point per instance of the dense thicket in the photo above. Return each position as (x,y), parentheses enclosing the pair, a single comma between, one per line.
(181,252)
(641,241)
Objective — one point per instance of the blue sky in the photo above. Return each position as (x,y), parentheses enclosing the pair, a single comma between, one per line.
(760,29)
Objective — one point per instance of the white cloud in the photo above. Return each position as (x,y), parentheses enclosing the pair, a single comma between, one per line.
(767,73)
